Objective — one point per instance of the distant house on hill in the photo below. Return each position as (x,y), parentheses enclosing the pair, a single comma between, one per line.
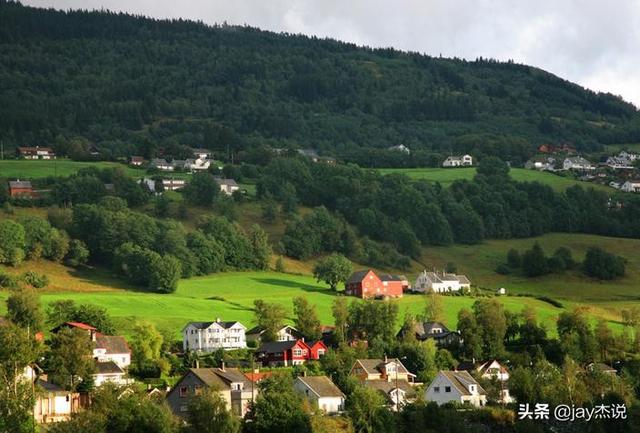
(161,164)
(367,284)
(490,370)
(400,148)
(136,161)
(541,164)
(631,186)
(227,186)
(424,330)
(389,377)
(286,333)
(20,188)
(35,153)
(577,163)
(211,336)
(619,163)
(440,282)
(202,154)
(456,386)
(458,161)
(550,148)
(283,353)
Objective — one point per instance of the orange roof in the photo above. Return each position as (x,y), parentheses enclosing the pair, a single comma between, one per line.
(257,377)
(81,325)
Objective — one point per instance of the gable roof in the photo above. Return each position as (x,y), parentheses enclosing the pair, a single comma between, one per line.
(358,276)
(389,277)
(312,343)
(374,365)
(321,386)
(279,346)
(461,380)
(112,344)
(78,325)
(231,375)
(205,325)
(108,367)
(208,377)
(258,376)
(260,330)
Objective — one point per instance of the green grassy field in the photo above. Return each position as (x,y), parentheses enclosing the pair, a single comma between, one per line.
(446,176)
(34,169)
(230,296)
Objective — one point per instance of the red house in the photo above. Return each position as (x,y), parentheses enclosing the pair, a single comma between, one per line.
(20,188)
(283,353)
(367,284)
(317,349)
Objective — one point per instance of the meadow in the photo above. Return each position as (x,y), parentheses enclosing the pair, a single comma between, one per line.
(446,176)
(35,169)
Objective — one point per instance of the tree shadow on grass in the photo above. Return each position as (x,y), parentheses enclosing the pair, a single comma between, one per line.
(234,305)
(292,284)
(105,278)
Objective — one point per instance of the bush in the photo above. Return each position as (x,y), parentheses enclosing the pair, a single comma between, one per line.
(603,265)
(35,280)
(8,281)
(503,269)
(513,258)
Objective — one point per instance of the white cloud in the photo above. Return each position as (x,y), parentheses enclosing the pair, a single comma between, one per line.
(586,41)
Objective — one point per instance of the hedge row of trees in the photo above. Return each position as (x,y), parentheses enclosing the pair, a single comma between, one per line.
(407,214)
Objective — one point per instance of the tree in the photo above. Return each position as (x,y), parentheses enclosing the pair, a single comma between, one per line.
(164,273)
(261,249)
(367,409)
(78,253)
(18,349)
(534,262)
(603,265)
(493,167)
(340,312)
(202,189)
(208,414)
(270,317)
(209,254)
(70,357)
(492,324)
(23,309)
(66,310)
(333,270)
(513,258)
(434,311)
(278,408)
(373,320)
(306,320)
(12,242)
(146,343)
(472,347)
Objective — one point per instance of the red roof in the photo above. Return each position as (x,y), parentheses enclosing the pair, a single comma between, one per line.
(81,325)
(257,377)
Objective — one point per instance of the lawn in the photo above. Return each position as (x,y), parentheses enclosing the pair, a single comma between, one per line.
(446,176)
(33,169)
(230,296)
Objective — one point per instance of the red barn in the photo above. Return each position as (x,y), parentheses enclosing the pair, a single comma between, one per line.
(317,349)
(20,188)
(283,353)
(367,284)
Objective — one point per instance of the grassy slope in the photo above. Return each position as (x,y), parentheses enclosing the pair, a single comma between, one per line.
(446,176)
(32,169)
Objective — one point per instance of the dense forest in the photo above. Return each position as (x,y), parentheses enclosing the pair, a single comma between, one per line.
(124,84)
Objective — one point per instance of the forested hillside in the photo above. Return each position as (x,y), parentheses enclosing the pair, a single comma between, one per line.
(128,84)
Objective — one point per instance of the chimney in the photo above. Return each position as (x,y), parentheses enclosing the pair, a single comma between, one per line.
(197,362)
(385,358)
(222,368)
(218,320)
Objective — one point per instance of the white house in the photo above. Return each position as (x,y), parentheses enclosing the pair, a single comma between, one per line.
(577,163)
(321,392)
(286,333)
(53,403)
(202,154)
(617,162)
(400,148)
(491,370)
(628,155)
(227,186)
(458,161)
(196,164)
(109,372)
(211,336)
(112,348)
(541,164)
(455,386)
(631,186)
(162,164)
(440,282)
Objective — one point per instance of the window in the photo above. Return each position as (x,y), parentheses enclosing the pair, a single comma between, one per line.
(436,389)
(320,352)
(297,352)
(197,390)
(447,389)
(472,388)
(183,391)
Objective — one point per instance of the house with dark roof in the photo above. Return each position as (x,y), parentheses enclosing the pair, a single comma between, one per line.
(112,348)
(286,333)
(424,330)
(440,282)
(227,186)
(490,369)
(109,372)
(388,376)
(20,188)
(321,392)
(455,386)
(36,152)
(317,349)
(162,164)
(136,161)
(283,353)
(234,387)
(211,336)
(367,284)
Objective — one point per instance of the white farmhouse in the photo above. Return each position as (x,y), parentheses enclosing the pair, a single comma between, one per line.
(112,348)
(631,186)
(286,333)
(211,336)
(109,372)
(577,163)
(321,392)
(455,386)
(440,282)
(458,161)
(227,186)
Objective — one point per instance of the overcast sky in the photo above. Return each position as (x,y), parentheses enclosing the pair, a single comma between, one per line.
(591,42)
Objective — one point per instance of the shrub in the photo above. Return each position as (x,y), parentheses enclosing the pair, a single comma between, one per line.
(603,265)
(35,280)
